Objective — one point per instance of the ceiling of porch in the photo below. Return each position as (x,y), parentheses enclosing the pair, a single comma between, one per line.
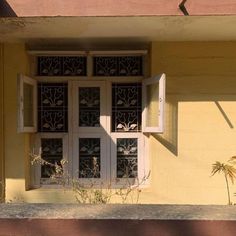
(90,30)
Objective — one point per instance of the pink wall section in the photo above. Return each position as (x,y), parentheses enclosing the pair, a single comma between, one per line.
(93,227)
(118,7)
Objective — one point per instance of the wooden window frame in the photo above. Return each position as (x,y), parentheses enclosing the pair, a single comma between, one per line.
(104,168)
(76,132)
(143,162)
(81,84)
(37,181)
(142,166)
(71,138)
(21,80)
(161,79)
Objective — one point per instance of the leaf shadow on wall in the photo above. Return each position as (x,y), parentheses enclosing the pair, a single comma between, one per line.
(169,138)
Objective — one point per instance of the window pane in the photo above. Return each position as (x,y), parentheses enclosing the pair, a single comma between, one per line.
(89,107)
(153,105)
(52,107)
(89,157)
(127,157)
(52,152)
(118,66)
(49,66)
(126,107)
(28,105)
(62,65)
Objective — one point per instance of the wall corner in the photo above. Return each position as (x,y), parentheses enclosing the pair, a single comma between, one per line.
(2,175)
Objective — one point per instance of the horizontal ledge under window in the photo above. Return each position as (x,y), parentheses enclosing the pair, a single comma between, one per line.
(118,53)
(57,52)
(83,53)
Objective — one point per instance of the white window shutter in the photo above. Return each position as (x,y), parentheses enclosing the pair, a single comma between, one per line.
(27,104)
(154,103)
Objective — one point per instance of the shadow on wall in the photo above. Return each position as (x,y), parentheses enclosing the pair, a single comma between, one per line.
(6,10)
(2,188)
(170,136)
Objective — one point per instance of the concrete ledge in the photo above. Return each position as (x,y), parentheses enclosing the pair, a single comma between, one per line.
(116,220)
(117,212)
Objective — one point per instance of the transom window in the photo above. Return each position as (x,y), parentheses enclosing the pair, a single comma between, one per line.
(95,115)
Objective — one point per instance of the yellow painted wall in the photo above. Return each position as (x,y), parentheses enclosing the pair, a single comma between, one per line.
(17,149)
(200,121)
(15,61)
(200,125)
(1,127)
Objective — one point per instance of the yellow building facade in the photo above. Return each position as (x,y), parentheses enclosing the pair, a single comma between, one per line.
(200,119)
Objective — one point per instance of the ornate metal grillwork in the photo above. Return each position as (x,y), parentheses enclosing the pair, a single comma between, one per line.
(89,107)
(126,107)
(62,65)
(52,107)
(89,158)
(127,157)
(52,152)
(118,66)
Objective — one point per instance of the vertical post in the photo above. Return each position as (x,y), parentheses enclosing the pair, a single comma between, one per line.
(2,182)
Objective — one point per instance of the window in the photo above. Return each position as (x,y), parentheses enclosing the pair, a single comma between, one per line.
(52,107)
(96,122)
(89,130)
(27,118)
(54,147)
(61,66)
(154,101)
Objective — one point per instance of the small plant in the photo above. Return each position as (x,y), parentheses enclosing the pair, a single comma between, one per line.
(91,192)
(229,172)
(131,190)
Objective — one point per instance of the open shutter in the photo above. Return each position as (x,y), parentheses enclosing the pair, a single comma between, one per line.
(154,101)
(27,104)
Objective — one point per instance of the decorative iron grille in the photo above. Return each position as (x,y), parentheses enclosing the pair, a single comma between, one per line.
(127,157)
(126,107)
(89,107)
(52,107)
(118,66)
(89,157)
(52,152)
(62,66)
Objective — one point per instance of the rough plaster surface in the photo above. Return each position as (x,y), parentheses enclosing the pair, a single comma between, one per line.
(93,30)
(134,212)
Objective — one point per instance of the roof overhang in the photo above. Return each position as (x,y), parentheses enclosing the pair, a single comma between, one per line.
(136,29)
